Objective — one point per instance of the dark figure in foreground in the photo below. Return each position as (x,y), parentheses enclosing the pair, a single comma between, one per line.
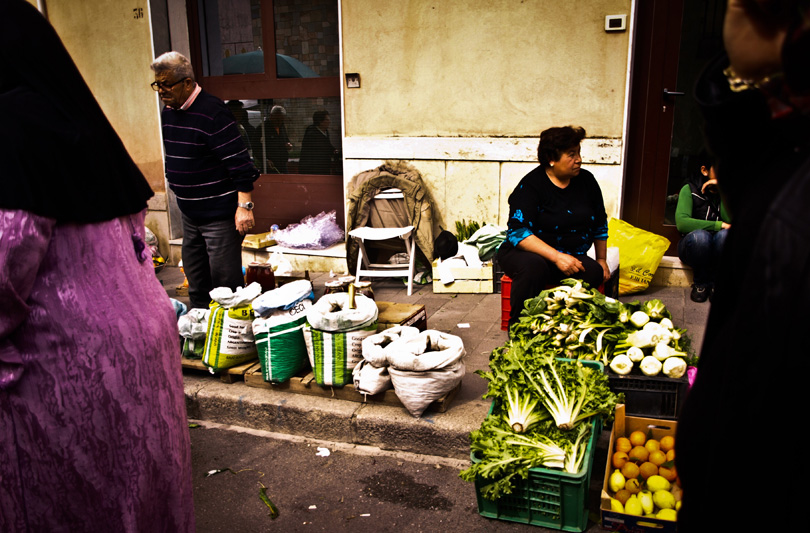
(751,384)
(93,429)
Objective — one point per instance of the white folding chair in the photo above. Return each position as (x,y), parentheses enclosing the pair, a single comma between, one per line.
(385,270)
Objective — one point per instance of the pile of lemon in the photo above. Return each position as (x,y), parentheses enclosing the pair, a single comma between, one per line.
(644,481)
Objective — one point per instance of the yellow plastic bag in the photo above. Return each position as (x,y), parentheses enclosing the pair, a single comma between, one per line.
(640,253)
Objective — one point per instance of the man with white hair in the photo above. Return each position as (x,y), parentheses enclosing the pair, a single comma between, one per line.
(211,173)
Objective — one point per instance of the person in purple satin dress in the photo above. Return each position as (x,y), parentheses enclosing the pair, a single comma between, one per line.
(93,429)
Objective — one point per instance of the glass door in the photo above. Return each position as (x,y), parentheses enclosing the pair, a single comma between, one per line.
(673,42)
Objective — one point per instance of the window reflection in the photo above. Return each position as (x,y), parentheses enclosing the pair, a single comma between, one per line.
(231,35)
(306,37)
(308,33)
(283,135)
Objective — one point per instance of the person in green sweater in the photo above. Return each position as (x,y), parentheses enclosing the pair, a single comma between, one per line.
(703,221)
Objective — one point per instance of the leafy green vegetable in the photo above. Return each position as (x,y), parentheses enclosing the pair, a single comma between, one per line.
(521,413)
(543,406)
(270,505)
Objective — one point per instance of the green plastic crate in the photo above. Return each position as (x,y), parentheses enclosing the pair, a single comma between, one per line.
(548,498)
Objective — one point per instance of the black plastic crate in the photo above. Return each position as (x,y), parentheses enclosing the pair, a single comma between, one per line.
(654,397)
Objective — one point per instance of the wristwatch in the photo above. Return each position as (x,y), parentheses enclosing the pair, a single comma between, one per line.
(246,205)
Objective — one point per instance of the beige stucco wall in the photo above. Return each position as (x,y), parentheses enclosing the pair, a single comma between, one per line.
(462,89)
(483,67)
(111,43)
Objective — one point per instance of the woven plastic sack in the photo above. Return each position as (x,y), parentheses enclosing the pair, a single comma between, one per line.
(371,375)
(280,342)
(285,297)
(334,354)
(375,346)
(369,379)
(640,253)
(333,313)
(229,340)
(193,326)
(424,368)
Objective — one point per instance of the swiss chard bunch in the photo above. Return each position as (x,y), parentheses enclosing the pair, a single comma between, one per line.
(501,455)
(573,320)
(542,414)
(567,391)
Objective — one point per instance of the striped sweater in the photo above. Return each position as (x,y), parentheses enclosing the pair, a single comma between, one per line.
(206,159)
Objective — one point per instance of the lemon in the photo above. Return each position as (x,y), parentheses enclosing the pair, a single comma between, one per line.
(667,514)
(633,506)
(664,499)
(616,481)
(656,483)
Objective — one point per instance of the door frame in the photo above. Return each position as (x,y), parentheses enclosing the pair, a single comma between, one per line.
(649,132)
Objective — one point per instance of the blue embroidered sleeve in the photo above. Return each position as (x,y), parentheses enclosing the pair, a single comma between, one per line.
(514,236)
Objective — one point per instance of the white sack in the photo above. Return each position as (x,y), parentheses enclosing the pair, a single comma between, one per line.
(331,312)
(374,347)
(369,379)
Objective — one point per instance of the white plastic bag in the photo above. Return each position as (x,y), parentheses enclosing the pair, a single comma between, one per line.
(281,265)
(313,233)
(241,297)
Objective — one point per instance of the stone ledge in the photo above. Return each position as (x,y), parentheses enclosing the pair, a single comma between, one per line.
(672,273)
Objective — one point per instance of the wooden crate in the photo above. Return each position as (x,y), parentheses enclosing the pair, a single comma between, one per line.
(304,383)
(467,280)
(228,375)
(398,314)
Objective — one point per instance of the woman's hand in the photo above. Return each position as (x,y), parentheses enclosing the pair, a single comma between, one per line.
(710,186)
(725,225)
(605,269)
(568,264)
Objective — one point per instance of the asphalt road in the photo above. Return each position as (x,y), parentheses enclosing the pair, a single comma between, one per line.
(353,489)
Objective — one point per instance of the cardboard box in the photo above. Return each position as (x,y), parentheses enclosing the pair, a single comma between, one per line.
(625,523)
(467,280)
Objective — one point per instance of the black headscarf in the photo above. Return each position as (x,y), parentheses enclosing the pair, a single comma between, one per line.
(59,155)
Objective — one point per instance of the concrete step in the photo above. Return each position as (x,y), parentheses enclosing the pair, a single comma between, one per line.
(332,259)
(670,273)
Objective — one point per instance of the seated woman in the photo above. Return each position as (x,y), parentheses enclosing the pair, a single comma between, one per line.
(555,214)
(702,218)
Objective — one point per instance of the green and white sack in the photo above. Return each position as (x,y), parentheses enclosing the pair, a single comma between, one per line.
(334,335)
(280,342)
(192,327)
(334,354)
(229,340)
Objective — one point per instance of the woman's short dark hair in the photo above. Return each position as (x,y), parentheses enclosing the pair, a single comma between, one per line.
(554,141)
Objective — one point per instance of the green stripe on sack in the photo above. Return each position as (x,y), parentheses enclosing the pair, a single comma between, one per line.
(339,357)
(317,348)
(214,337)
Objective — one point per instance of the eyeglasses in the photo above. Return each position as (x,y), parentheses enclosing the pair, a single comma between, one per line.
(156,85)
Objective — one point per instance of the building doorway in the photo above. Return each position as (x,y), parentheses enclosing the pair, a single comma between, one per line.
(674,41)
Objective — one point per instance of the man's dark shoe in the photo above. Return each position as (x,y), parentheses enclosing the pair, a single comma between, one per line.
(700,293)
